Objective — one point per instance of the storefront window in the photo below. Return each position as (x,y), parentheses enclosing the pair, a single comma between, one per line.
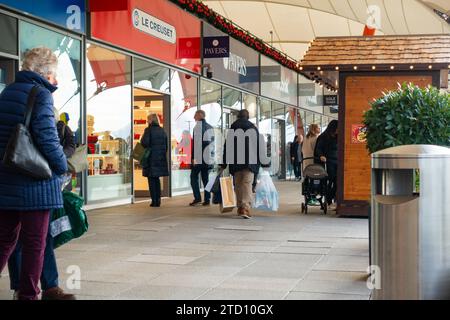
(8,34)
(249,103)
(265,123)
(278,140)
(67,99)
(210,102)
(183,107)
(232,99)
(108,91)
(148,75)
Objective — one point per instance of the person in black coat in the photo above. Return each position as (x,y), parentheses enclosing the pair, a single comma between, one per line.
(202,157)
(296,156)
(326,151)
(155,165)
(244,162)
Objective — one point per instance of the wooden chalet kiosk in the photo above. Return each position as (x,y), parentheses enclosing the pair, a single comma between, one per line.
(361,68)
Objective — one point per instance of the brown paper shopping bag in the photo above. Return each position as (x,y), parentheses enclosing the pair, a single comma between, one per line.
(228,196)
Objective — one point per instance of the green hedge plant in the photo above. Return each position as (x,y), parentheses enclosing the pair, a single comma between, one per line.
(409,115)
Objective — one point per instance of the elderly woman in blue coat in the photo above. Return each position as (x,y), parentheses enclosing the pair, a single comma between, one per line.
(25,202)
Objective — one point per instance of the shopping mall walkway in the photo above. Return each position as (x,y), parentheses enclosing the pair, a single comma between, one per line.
(177,252)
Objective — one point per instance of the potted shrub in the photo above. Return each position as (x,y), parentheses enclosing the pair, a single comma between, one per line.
(409,115)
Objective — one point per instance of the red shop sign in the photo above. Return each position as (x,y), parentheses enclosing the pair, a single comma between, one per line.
(156,28)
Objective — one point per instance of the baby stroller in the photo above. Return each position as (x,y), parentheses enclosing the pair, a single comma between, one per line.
(314,186)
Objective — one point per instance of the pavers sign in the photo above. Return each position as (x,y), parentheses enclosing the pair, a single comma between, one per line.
(216,47)
(153,26)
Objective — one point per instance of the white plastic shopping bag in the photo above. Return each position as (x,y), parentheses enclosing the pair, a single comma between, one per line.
(266,197)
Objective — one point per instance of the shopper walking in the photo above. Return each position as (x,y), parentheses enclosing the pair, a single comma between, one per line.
(245,166)
(296,156)
(155,166)
(326,152)
(25,202)
(49,277)
(202,157)
(310,144)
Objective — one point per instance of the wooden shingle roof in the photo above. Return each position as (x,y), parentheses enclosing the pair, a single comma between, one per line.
(378,50)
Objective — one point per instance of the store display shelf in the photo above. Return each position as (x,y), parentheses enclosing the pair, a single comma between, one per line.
(110,155)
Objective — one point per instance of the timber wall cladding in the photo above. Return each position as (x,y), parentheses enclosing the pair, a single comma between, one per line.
(359,93)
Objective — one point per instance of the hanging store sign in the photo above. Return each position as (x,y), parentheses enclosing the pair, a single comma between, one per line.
(278,82)
(216,47)
(240,68)
(270,73)
(153,26)
(330,100)
(306,89)
(69,14)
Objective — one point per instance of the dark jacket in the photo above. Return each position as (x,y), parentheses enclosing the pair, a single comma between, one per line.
(66,139)
(295,152)
(18,191)
(206,142)
(326,146)
(251,148)
(156,139)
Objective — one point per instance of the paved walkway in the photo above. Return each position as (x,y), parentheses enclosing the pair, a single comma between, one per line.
(177,252)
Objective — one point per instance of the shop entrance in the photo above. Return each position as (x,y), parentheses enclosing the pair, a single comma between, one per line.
(146,102)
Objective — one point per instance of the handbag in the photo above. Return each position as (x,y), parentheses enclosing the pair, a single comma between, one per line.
(78,161)
(21,154)
(138,152)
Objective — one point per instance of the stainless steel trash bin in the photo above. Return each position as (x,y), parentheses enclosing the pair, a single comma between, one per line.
(410,222)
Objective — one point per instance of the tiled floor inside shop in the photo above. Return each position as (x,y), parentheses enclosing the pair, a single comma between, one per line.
(179,252)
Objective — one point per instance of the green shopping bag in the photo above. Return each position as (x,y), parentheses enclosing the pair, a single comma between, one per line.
(69,222)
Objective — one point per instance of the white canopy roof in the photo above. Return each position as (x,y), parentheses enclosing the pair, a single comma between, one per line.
(295,23)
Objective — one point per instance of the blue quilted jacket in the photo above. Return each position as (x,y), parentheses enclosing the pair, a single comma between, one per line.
(17,191)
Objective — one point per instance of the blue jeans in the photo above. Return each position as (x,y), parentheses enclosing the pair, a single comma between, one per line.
(49,275)
(196,170)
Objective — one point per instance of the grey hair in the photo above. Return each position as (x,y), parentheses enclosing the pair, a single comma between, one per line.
(41,60)
(153,118)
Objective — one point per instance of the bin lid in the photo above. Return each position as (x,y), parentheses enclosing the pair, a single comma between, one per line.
(414,151)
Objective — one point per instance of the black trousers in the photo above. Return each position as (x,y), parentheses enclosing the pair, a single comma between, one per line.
(332,182)
(155,190)
(297,169)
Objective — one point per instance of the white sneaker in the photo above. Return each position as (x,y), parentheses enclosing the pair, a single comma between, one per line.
(16,295)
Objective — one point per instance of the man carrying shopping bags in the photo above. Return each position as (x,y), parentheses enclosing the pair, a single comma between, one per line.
(241,154)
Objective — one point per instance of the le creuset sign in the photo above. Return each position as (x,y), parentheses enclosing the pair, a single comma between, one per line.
(153,26)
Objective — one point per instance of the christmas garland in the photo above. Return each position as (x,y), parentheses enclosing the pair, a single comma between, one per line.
(202,11)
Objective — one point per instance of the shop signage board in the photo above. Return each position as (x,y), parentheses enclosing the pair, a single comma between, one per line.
(216,47)
(306,89)
(330,100)
(283,88)
(240,68)
(69,14)
(153,26)
(270,73)
(157,29)
(359,132)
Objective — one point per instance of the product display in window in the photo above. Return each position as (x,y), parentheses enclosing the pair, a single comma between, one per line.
(103,151)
